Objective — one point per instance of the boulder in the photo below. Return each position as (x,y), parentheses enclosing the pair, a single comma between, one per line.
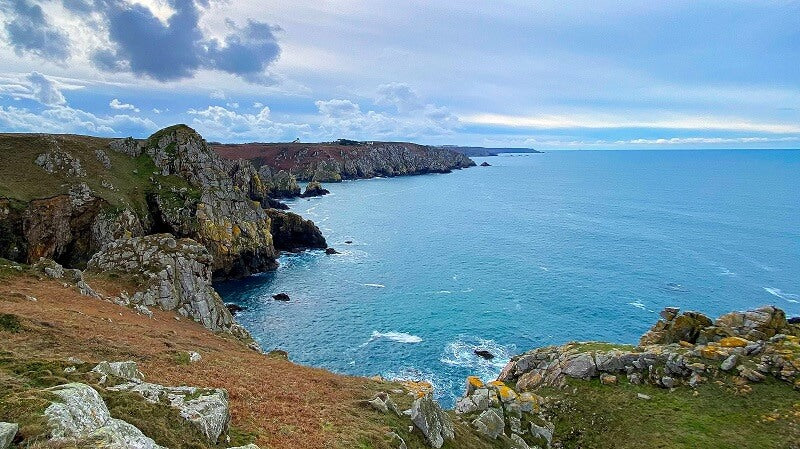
(490,423)
(291,232)
(432,421)
(485,164)
(81,417)
(759,324)
(281,297)
(7,433)
(330,251)
(125,370)
(579,366)
(676,327)
(482,353)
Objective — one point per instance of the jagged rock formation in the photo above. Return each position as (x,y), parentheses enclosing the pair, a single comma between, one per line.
(314,188)
(335,162)
(293,233)
(175,275)
(432,421)
(680,349)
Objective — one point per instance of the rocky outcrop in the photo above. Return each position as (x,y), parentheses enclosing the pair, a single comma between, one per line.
(333,162)
(175,275)
(432,421)
(291,232)
(80,417)
(677,351)
(314,188)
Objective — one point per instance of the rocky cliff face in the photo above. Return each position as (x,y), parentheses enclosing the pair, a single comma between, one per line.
(333,162)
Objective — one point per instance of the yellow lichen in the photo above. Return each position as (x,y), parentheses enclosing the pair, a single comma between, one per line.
(474,381)
(733,342)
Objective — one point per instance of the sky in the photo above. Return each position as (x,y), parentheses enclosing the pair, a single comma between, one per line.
(537,74)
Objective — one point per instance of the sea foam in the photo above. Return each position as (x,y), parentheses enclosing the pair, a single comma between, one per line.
(400,337)
(789,297)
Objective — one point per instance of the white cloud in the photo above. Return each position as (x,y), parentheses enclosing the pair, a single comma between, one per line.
(615,122)
(64,119)
(45,90)
(157,111)
(399,95)
(232,105)
(116,104)
(217,94)
(217,122)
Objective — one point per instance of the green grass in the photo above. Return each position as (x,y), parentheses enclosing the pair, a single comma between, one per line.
(601,416)
(10,323)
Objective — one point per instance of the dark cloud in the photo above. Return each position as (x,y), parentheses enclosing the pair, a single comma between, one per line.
(146,46)
(29,31)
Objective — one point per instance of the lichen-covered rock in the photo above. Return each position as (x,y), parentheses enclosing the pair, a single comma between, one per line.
(758,324)
(314,188)
(55,159)
(432,421)
(291,232)
(490,423)
(177,276)
(206,409)
(7,433)
(127,370)
(80,416)
(683,327)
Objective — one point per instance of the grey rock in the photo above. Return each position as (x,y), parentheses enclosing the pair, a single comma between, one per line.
(729,363)
(7,433)
(398,440)
(643,396)
(544,431)
(518,443)
(81,416)
(247,446)
(432,421)
(490,423)
(667,382)
(127,370)
(580,366)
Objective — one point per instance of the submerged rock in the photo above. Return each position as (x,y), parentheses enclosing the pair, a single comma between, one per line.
(281,297)
(330,251)
(485,164)
(483,354)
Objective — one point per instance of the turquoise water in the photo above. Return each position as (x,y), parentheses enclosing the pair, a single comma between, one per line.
(537,249)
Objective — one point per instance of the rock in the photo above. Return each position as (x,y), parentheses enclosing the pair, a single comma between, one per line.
(490,423)
(330,251)
(485,164)
(473,383)
(608,379)
(314,188)
(643,396)
(751,375)
(518,442)
(378,404)
(234,308)
(125,370)
(291,232)
(177,278)
(206,409)
(669,313)
(398,440)
(81,416)
(794,320)
(247,446)
(733,342)
(7,433)
(432,421)
(544,431)
(635,378)
(684,327)
(758,324)
(580,366)
(483,354)
(729,363)
(667,382)
(281,297)
(194,357)
(348,242)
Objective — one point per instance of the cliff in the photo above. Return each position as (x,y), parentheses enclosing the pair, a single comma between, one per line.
(64,197)
(333,162)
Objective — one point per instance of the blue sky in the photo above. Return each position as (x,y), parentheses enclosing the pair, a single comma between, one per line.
(542,74)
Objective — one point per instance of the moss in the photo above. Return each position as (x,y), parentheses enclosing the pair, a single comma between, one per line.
(10,323)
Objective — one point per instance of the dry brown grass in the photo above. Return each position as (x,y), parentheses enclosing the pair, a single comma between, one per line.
(284,404)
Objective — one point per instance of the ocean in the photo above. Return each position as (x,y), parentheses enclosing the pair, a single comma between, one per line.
(538,249)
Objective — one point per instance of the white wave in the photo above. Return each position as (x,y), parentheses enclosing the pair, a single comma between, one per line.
(543,268)
(400,337)
(444,292)
(637,304)
(789,297)
(374,285)
(467,290)
(727,272)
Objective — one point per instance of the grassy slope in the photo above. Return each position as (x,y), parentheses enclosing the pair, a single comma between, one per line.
(275,402)
(22,179)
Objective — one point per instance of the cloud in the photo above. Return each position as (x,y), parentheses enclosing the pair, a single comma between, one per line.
(64,119)
(217,94)
(45,90)
(338,108)
(176,49)
(613,122)
(30,31)
(399,95)
(217,122)
(116,104)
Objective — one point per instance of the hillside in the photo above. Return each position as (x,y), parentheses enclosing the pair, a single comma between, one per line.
(332,162)
(483,151)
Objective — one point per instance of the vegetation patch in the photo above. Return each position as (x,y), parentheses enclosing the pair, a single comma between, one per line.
(10,323)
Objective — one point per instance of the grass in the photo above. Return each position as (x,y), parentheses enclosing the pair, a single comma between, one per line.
(590,414)
(9,323)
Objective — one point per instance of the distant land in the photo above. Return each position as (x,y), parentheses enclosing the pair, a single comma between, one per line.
(482,151)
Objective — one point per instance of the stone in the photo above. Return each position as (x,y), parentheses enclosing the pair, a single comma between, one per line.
(432,421)
(669,313)
(643,396)
(293,233)
(580,366)
(608,379)
(668,382)
(379,405)
(194,357)
(398,440)
(485,164)
(234,308)
(686,326)
(490,423)
(733,342)
(518,443)
(751,375)
(81,416)
(473,383)
(281,297)
(544,431)
(7,433)
(314,188)
(246,446)
(758,324)
(331,251)
(729,363)
(128,370)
